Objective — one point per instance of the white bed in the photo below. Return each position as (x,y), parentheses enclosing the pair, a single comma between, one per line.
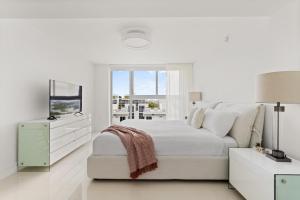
(170,137)
(183,152)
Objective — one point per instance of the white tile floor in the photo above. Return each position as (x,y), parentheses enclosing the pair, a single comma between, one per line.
(67,180)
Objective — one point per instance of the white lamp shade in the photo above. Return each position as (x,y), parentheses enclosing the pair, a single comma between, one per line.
(283,87)
(195,96)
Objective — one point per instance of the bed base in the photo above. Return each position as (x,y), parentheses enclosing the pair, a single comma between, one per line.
(169,168)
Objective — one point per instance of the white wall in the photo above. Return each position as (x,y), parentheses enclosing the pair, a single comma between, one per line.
(102,99)
(29,56)
(285,36)
(285,48)
(229,73)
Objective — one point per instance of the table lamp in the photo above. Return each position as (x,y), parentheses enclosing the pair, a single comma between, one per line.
(195,96)
(278,87)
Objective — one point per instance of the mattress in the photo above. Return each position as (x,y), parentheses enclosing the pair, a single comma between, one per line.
(170,137)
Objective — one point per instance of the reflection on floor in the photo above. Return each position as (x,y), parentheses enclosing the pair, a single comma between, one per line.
(67,180)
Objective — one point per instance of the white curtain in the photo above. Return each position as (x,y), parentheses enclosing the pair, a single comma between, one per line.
(179,83)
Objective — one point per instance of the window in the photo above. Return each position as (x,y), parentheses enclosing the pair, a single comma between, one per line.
(120,83)
(138,94)
(162,82)
(150,82)
(144,82)
(120,93)
(147,93)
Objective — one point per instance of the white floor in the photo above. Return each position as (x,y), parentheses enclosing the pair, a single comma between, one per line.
(67,180)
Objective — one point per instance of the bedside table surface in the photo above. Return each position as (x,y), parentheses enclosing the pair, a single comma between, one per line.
(260,160)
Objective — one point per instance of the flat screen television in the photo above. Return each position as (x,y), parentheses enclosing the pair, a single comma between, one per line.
(64,98)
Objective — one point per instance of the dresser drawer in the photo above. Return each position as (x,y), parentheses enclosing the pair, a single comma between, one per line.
(68,120)
(68,138)
(61,141)
(65,150)
(83,140)
(60,153)
(63,130)
(83,131)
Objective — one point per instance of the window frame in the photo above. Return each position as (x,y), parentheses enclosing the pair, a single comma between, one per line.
(131,80)
(132,96)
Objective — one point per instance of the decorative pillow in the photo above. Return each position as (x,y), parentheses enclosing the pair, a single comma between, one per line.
(219,122)
(190,115)
(243,125)
(197,119)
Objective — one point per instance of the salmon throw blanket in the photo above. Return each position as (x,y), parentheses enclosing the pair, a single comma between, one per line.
(140,149)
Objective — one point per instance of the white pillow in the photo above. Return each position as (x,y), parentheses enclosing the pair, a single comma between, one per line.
(197,119)
(207,104)
(219,122)
(190,116)
(243,125)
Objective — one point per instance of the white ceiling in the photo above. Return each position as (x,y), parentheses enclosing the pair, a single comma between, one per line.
(137,8)
(199,40)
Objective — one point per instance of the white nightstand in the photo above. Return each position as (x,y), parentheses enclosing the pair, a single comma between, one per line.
(257,177)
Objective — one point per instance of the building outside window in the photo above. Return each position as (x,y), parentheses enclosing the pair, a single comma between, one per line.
(138,95)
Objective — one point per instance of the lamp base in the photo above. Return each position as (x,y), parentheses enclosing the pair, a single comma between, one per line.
(278,156)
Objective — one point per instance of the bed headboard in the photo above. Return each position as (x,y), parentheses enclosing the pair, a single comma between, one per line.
(248,130)
(258,126)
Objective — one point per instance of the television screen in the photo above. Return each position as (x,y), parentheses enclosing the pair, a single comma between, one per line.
(64,98)
(62,107)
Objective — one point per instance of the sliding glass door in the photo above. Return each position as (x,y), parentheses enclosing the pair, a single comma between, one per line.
(139,95)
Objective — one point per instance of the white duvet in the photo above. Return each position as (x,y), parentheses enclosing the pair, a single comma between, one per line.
(171,137)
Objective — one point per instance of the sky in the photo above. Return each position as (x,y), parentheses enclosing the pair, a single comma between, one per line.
(144,82)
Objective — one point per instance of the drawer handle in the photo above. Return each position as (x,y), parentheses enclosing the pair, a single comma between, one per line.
(283,181)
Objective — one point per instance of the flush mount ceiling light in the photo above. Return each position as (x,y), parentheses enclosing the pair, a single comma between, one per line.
(136,38)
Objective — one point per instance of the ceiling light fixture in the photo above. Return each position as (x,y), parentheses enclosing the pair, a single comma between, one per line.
(136,38)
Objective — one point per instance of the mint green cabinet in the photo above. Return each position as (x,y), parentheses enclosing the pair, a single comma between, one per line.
(33,144)
(287,187)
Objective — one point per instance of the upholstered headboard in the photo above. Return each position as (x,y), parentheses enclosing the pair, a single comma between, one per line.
(258,126)
(247,130)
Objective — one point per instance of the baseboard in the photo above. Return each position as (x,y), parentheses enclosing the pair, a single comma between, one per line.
(8,170)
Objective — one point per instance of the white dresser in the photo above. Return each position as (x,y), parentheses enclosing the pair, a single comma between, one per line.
(257,177)
(44,142)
